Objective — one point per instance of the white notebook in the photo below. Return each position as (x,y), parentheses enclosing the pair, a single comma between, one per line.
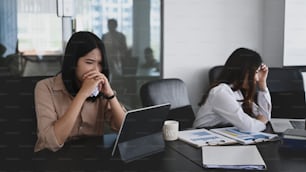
(233,157)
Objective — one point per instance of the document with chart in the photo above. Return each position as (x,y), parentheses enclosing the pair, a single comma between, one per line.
(245,137)
(204,137)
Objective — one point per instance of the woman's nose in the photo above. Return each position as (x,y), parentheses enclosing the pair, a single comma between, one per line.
(97,67)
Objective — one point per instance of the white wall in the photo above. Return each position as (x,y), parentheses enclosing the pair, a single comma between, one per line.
(273,32)
(199,34)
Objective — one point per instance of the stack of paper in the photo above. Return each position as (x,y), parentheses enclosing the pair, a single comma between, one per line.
(233,157)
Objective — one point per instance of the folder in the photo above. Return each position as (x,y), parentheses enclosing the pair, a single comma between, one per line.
(232,157)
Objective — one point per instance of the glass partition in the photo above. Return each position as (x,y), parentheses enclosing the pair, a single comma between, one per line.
(134,53)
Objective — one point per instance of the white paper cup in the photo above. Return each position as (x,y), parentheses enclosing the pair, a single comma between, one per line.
(170,130)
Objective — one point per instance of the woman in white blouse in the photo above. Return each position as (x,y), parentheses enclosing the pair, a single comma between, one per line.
(231,99)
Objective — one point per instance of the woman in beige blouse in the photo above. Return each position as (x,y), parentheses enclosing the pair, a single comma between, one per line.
(79,100)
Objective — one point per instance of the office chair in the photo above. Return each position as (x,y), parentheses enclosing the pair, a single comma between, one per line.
(287,92)
(214,73)
(17,112)
(171,91)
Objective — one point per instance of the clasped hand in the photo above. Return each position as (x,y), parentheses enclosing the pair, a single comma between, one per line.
(93,79)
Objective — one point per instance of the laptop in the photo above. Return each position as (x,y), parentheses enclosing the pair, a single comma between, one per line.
(140,134)
(279,125)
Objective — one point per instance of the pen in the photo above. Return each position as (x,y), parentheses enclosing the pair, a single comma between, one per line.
(213,143)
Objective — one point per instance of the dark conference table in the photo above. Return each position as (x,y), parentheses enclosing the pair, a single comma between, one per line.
(93,154)
(277,159)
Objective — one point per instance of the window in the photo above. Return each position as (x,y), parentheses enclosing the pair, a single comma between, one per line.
(42,33)
(295,33)
(39,28)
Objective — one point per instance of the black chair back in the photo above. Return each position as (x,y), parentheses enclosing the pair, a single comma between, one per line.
(214,73)
(17,116)
(171,91)
(286,87)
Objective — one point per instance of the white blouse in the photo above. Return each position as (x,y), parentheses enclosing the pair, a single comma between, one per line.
(223,108)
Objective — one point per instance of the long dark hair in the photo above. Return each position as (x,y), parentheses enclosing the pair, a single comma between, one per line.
(79,45)
(241,64)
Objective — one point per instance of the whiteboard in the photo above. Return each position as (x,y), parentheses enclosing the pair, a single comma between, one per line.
(295,33)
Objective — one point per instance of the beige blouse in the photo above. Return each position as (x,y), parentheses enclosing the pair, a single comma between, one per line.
(51,102)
